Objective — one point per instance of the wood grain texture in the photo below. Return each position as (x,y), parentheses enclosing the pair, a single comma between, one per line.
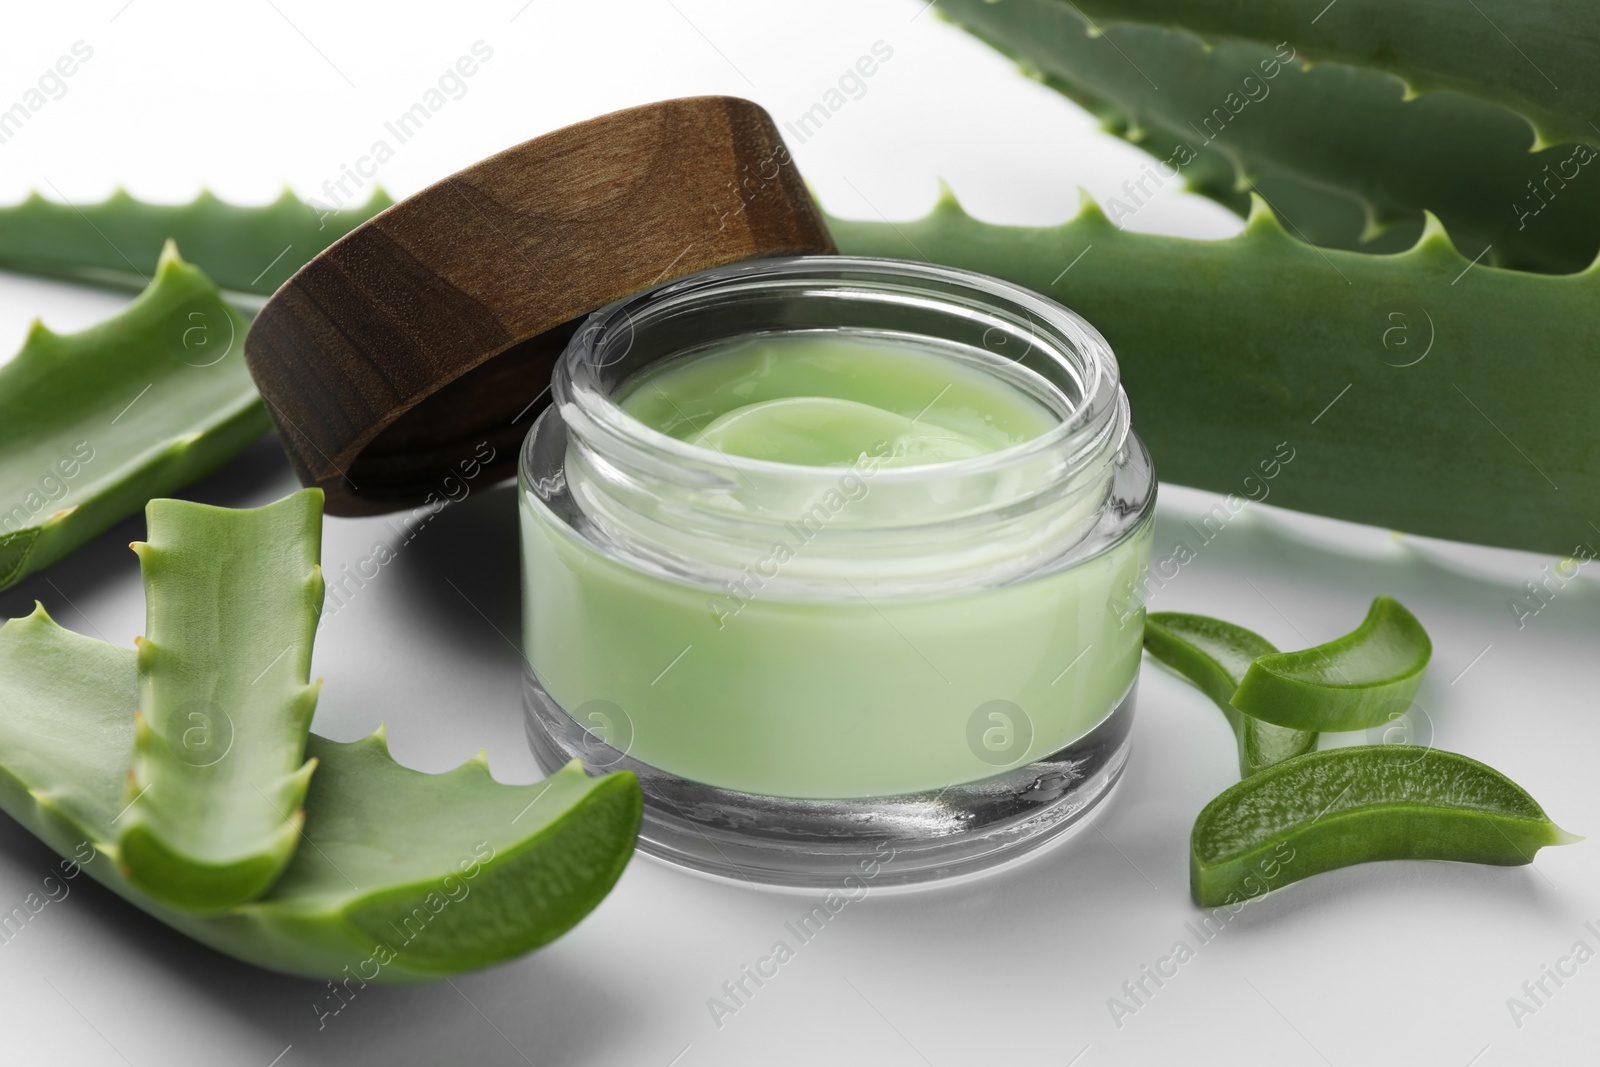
(429,332)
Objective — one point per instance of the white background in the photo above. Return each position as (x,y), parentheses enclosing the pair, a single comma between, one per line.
(1396,963)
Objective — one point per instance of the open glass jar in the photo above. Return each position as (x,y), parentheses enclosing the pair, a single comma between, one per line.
(887,667)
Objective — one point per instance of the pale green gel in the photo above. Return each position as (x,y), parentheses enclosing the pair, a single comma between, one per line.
(822,400)
(845,698)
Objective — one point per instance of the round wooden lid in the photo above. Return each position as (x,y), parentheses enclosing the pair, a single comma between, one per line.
(419,346)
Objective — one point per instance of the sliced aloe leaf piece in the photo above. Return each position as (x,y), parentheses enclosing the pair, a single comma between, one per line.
(119,240)
(1359,680)
(1344,806)
(1215,655)
(401,876)
(95,424)
(1391,355)
(218,774)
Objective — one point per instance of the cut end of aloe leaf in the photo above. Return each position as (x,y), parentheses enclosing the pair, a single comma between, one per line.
(401,876)
(1215,655)
(1360,680)
(1340,807)
(177,880)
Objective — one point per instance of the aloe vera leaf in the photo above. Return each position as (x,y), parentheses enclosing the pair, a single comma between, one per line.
(1323,216)
(1350,683)
(1342,127)
(1529,56)
(1344,806)
(401,876)
(218,774)
(95,424)
(1357,366)
(1215,655)
(118,241)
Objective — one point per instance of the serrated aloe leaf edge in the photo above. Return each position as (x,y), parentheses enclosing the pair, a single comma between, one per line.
(1346,129)
(96,423)
(1489,56)
(218,775)
(1361,364)
(401,876)
(1406,348)
(117,240)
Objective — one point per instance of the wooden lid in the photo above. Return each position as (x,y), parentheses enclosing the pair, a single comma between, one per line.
(422,342)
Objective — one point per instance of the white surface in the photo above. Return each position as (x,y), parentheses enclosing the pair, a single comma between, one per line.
(1394,963)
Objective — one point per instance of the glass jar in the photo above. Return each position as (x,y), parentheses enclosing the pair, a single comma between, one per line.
(922,669)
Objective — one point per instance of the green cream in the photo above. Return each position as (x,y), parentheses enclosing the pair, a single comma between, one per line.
(827,399)
(769,686)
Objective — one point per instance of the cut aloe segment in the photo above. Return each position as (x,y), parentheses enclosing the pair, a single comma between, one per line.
(94,424)
(1362,679)
(1215,655)
(219,771)
(402,875)
(1345,806)
(117,241)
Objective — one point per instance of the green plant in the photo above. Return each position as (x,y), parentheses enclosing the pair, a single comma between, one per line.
(1359,680)
(1215,656)
(1418,391)
(1311,140)
(218,771)
(118,241)
(401,876)
(1325,810)
(94,424)
(1529,56)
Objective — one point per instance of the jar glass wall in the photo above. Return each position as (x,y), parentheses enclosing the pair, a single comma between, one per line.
(924,657)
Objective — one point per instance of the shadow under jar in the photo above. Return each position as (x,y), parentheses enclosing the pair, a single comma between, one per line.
(844,559)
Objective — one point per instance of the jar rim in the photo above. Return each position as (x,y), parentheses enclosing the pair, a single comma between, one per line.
(1062,334)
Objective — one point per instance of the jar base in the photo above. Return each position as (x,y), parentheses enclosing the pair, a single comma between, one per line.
(897,840)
